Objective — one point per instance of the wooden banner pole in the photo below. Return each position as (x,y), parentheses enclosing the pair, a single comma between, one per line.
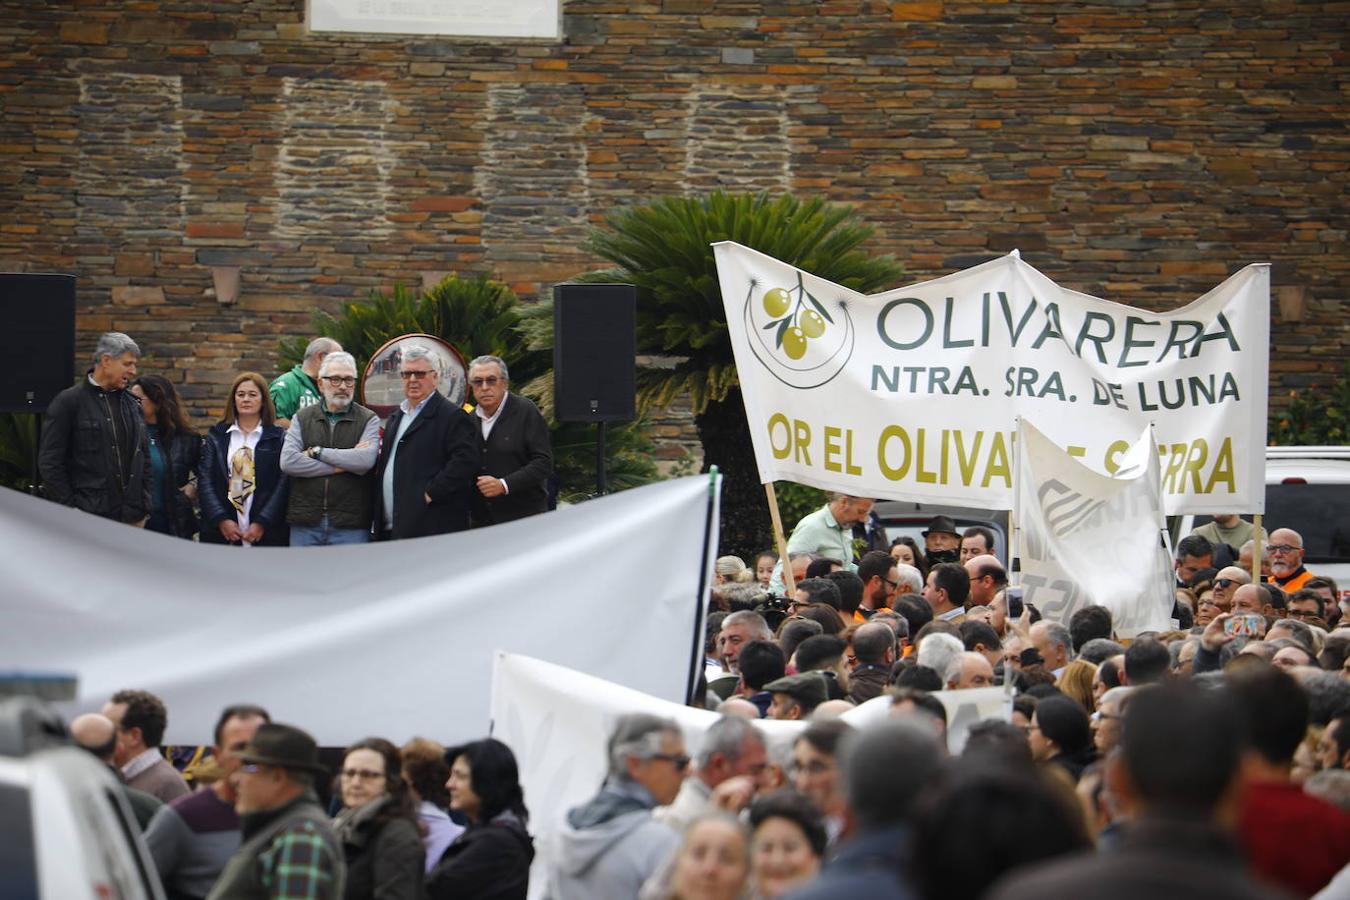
(1258,548)
(780,542)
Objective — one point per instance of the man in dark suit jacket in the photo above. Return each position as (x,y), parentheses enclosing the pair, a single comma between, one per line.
(517,457)
(427,459)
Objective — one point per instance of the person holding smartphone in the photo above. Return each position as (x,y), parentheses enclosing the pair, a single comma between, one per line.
(1222,630)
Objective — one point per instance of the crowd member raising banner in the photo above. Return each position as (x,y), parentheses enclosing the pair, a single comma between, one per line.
(1087,539)
(913,394)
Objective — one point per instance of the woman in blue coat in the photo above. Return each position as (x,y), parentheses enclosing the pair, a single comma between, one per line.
(242,490)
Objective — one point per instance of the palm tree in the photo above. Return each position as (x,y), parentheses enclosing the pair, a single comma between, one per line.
(665,249)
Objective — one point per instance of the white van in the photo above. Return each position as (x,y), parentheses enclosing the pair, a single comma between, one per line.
(1308,490)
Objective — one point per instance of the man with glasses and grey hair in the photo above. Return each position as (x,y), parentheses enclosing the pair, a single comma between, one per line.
(95,452)
(611,844)
(330,450)
(1286,560)
(517,457)
(296,389)
(427,464)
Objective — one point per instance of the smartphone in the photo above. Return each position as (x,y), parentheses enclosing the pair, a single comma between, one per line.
(1244,625)
(1013,596)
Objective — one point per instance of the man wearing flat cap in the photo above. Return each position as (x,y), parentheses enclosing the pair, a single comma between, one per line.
(796,696)
(942,542)
(289,847)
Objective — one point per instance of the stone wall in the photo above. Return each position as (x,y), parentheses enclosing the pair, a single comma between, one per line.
(1138,151)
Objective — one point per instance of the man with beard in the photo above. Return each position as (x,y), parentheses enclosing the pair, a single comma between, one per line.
(1286,560)
(330,450)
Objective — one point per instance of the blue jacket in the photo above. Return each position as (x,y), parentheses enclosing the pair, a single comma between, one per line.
(269,494)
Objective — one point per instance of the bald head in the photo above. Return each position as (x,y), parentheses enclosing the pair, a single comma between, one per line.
(1286,552)
(987,578)
(737,706)
(96,733)
(1248,599)
(1226,583)
(970,670)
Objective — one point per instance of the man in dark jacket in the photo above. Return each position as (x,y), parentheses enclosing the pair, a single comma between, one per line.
(430,455)
(1182,753)
(95,454)
(289,847)
(330,449)
(517,456)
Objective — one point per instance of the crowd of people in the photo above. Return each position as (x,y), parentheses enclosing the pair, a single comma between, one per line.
(1211,760)
(296,461)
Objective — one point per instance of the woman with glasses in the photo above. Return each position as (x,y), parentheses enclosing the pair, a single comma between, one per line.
(239,479)
(491,860)
(378,825)
(175,452)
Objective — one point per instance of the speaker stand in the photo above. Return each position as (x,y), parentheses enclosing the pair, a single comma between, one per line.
(601,485)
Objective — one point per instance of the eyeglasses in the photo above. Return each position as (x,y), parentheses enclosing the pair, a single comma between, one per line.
(414,373)
(348,380)
(1224,582)
(894,584)
(1281,548)
(678,760)
(361,774)
(490,381)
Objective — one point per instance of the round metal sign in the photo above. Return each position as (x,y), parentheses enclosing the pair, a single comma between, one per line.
(382,388)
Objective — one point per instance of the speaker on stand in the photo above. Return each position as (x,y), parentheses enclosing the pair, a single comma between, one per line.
(37,343)
(594,358)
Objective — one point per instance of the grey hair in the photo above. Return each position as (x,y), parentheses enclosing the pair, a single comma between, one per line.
(1116,695)
(321,345)
(952,674)
(492,360)
(114,344)
(1099,650)
(1328,694)
(909,577)
(1302,633)
(727,736)
(1331,785)
(899,622)
(337,358)
(1173,649)
(762,631)
(802,554)
(1057,634)
(937,652)
(417,352)
(637,735)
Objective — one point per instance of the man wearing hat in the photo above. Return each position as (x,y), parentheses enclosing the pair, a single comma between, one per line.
(289,848)
(827,532)
(796,696)
(942,542)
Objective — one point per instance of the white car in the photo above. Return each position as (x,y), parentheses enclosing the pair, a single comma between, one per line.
(66,831)
(1308,490)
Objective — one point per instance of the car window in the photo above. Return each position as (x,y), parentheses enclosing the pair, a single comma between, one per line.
(1318,512)
(18,861)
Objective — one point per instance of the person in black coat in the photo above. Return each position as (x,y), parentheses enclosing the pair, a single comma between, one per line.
(239,479)
(491,860)
(95,453)
(175,453)
(377,825)
(517,455)
(428,458)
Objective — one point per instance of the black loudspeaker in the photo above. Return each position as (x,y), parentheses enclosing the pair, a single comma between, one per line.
(37,340)
(594,352)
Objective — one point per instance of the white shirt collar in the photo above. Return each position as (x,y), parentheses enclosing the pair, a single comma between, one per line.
(416,409)
(492,419)
(234,426)
(142,761)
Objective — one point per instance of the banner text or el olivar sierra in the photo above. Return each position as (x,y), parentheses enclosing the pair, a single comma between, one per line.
(914,394)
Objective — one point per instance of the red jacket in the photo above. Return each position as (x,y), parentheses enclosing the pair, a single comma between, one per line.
(1293,840)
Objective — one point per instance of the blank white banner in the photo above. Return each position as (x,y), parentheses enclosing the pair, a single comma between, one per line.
(392,639)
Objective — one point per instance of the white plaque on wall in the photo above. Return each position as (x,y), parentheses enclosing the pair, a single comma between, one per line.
(451,18)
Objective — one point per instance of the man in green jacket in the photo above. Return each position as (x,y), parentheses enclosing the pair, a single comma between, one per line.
(299,387)
(289,847)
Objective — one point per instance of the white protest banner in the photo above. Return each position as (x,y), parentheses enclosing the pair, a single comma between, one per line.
(558,722)
(392,639)
(1086,538)
(913,394)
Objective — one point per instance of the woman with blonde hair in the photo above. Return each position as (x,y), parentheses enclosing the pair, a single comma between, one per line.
(1075,682)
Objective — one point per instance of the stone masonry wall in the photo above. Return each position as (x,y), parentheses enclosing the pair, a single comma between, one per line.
(1137,151)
